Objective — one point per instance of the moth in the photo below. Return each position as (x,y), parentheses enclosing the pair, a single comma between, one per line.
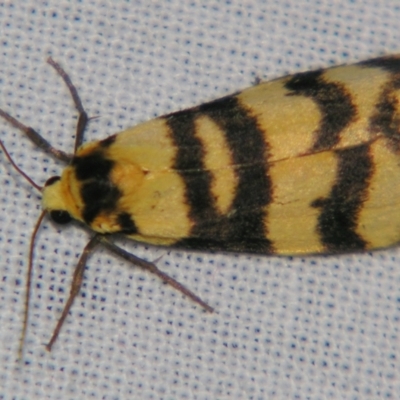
(305,164)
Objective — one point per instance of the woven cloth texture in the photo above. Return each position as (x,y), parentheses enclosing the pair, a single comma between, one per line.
(284,328)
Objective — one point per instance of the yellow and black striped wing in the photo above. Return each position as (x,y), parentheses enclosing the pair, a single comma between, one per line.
(305,164)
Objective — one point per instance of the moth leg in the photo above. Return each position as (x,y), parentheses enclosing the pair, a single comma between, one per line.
(75,287)
(80,268)
(154,270)
(36,138)
(83,117)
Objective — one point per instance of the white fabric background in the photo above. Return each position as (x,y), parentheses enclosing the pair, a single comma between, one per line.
(285,328)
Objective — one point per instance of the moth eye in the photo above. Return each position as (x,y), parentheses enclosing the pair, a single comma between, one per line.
(52,180)
(60,216)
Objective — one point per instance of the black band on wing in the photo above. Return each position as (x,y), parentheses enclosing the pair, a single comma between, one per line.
(334,102)
(338,219)
(242,228)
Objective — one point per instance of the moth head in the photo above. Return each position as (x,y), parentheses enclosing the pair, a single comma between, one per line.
(54,201)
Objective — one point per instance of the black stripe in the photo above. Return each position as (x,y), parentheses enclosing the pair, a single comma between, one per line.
(92,166)
(242,228)
(337,222)
(390,64)
(98,193)
(108,141)
(127,224)
(190,165)
(52,180)
(386,118)
(333,101)
(245,222)
(98,196)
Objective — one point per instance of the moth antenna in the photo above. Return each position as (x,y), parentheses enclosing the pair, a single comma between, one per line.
(31,250)
(19,170)
(29,285)
(37,139)
(83,117)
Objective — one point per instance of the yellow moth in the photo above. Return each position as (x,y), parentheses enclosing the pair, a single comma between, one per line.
(305,164)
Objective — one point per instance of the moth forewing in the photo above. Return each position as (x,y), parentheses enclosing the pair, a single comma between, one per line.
(305,164)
